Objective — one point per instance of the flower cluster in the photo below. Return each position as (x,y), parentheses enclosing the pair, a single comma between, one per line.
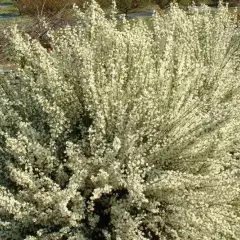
(126,130)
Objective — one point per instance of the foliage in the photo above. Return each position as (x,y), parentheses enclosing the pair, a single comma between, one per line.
(49,7)
(126,5)
(166,3)
(123,131)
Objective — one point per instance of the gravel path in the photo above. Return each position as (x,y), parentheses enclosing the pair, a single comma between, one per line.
(140,14)
(5,16)
(7,4)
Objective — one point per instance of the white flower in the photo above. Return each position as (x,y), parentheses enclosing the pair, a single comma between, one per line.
(128,125)
(116,144)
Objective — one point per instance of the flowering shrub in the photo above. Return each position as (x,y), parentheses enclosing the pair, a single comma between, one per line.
(123,131)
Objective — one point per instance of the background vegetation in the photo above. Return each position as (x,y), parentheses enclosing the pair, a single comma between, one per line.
(53,6)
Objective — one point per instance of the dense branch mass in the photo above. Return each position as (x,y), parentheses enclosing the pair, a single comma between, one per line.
(125,130)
